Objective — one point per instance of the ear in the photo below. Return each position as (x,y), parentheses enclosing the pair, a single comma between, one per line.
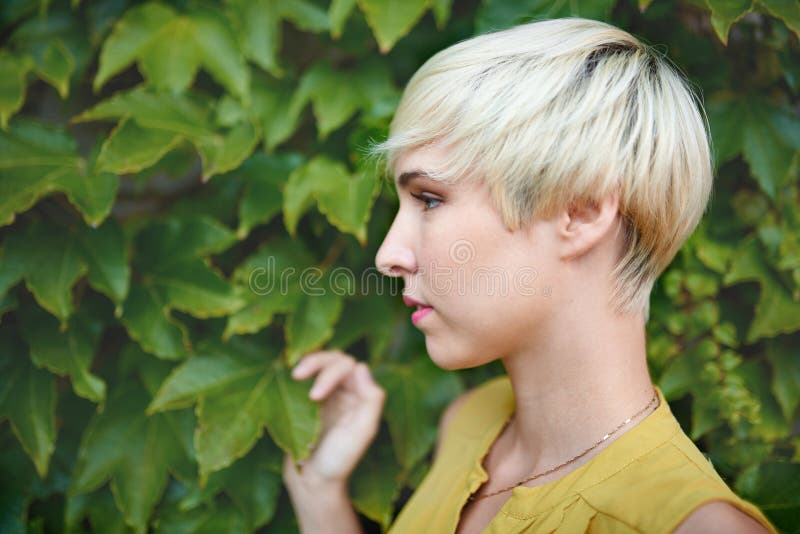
(582,226)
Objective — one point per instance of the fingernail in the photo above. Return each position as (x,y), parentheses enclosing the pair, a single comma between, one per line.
(314,393)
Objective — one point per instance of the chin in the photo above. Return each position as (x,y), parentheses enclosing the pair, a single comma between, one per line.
(453,359)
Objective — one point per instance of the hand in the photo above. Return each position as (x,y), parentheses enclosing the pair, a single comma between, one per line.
(352,403)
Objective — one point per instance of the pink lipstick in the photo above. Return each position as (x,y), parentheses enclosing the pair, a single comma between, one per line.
(421,311)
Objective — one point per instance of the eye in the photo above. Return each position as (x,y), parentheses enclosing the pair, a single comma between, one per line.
(427,200)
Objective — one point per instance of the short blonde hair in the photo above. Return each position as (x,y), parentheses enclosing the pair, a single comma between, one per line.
(566,110)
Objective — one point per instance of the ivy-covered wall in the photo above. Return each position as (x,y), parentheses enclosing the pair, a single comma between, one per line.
(186,208)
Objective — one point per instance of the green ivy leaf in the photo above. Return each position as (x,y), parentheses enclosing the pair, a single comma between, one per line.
(12,268)
(37,160)
(765,147)
(775,488)
(786,10)
(376,484)
(220,52)
(147,320)
(264,178)
(367,316)
(133,450)
(131,148)
(170,253)
(229,151)
(292,418)
(101,510)
(776,311)
(314,176)
(55,66)
(254,487)
(725,119)
(391,19)
(106,252)
(185,115)
(253,483)
(258,312)
(130,35)
(161,122)
(311,324)
(335,98)
(93,194)
(500,14)
(8,303)
(337,95)
(172,58)
(785,376)
(441,11)
(220,517)
(260,21)
(28,400)
(13,71)
(770,424)
(64,353)
(724,13)
(260,36)
(680,374)
(269,279)
(411,419)
(348,207)
(338,12)
(176,239)
(33,158)
(171,47)
(233,418)
(202,374)
(53,262)
(345,201)
(278,118)
(192,286)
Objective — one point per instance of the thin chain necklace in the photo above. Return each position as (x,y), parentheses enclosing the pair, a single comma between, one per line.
(653,400)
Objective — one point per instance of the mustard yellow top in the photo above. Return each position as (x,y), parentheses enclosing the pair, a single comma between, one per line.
(648,480)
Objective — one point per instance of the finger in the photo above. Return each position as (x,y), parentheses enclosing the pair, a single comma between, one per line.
(311,363)
(367,385)
(368,416)
(331,376)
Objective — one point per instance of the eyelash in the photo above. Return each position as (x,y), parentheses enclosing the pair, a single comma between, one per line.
(425,200)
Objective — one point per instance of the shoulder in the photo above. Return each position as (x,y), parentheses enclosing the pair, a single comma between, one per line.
(448,414)
(678,491)
(481,395)
(721,517)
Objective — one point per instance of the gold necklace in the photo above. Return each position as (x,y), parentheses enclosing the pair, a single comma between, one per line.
(596,444)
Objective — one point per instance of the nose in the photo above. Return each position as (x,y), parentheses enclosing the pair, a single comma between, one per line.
(395,257)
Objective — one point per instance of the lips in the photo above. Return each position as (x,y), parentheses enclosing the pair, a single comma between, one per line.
(411,302)
(421,311)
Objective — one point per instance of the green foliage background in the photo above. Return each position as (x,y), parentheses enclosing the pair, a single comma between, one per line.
(158,158)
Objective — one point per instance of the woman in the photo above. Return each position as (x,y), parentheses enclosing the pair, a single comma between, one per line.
(570,161)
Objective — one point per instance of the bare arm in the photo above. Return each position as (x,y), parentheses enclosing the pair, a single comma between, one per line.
(351,406)
(719,516)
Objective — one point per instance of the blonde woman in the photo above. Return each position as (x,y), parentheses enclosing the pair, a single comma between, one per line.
(573,161)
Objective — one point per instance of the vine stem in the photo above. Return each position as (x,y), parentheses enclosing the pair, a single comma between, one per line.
(333,252)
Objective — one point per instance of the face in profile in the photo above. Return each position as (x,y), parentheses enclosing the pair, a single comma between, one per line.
(489,288)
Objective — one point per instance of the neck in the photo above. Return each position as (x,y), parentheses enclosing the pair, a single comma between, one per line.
(577,386)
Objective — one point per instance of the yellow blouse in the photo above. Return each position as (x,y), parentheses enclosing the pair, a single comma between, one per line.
(648,480)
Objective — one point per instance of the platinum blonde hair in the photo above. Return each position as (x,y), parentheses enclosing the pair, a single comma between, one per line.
(561,111)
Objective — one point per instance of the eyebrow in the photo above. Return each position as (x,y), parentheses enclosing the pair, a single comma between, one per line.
(404,179)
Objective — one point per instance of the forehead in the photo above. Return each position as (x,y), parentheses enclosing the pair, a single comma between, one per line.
(420,164)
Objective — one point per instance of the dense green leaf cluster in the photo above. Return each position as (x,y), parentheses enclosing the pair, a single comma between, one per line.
(152,299)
